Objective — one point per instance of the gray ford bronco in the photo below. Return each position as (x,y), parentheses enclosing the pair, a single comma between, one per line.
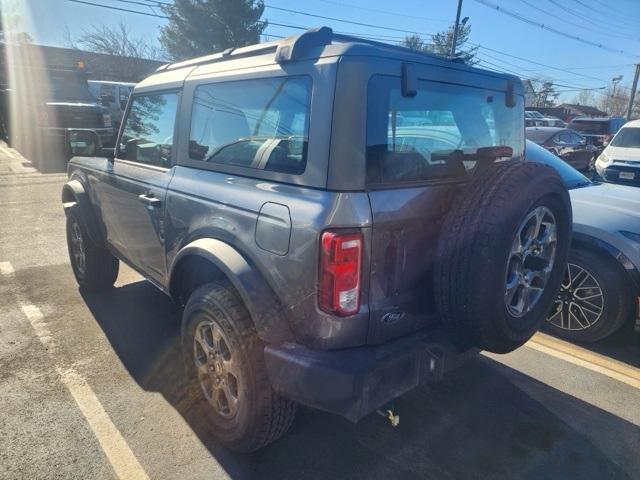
(340,220)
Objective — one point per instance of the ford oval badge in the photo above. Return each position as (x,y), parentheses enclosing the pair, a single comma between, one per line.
(392,317)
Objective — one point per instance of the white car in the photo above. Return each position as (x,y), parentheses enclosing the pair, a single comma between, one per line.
(619,162)
(601,289)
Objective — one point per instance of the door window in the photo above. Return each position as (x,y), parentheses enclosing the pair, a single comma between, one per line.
(148,130)
(262,124)
(124,97)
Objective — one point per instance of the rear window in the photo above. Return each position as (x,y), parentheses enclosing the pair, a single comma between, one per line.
(261,124)
(628,137)
(435,134)
(590,127)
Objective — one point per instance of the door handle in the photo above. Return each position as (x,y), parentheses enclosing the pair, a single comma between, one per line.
(149,199)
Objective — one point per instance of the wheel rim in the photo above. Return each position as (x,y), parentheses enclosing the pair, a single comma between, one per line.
(217,368)
(580,302)
(77,248)
(530,262)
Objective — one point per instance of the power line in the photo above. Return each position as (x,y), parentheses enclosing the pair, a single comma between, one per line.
(372,36)
(586,18)
(591,29)
(386,12)
(288,10)
(551,29)
(624,18)
(111,7)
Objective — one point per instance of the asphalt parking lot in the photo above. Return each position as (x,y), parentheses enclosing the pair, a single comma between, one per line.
(90,387)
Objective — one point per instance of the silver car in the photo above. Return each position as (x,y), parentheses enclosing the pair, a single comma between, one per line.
(601,289)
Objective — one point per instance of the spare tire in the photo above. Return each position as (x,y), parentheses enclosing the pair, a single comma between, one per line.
(501,255)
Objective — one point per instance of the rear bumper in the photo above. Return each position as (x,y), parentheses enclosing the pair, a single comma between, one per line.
(354,382)
(612,172)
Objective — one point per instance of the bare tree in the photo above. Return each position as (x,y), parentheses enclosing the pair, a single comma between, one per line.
(585,97)
(615,100)
(117,40)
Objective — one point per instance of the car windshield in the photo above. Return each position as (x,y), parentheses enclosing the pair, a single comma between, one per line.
(628,137)
(570,176)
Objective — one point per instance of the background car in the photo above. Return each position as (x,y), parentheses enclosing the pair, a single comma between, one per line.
(601,289)
(598,131)
(536,119)
(565,143)
(619,162)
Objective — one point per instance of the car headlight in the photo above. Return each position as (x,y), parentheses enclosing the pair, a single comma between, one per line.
(634,237)
(604,158)
(106,119)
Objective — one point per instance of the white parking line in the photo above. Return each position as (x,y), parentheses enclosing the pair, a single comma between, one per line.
(115,447)
(6,268)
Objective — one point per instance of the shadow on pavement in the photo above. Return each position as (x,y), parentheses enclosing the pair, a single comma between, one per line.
(484,421)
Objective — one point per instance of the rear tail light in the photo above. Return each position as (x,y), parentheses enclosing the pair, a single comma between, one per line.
(340,265)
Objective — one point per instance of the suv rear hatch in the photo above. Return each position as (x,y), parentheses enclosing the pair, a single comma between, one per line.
(421,150)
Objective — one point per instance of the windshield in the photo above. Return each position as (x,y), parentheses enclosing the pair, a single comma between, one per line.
(570,176)
(69,88)
(628,137)
(436,133)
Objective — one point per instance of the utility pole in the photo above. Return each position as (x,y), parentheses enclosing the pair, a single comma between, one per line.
(634,87)
(452,54)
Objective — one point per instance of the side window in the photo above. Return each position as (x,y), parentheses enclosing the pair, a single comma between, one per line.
(575,138)
(124,97)
(262,124)
(563,138)
(108,92)
(148,129)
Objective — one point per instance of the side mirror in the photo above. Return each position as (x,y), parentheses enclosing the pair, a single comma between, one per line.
(129,149)
(85,143)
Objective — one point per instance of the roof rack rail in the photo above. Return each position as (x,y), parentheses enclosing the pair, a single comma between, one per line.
(224,55)
(289,49)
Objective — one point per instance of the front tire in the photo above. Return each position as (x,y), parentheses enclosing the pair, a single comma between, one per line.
(594,300)
(94,267)
(225,364)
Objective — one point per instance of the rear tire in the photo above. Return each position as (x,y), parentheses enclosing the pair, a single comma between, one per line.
(607,308)
(94,267)
(226,369)
(498,267)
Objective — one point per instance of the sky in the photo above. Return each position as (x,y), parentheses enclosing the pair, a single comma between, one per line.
(542,53)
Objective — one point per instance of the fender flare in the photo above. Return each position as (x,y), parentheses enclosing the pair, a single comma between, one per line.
(74,189)
(268,315)
(584,240)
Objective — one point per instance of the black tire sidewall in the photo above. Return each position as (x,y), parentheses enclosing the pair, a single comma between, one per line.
(202,305)
(474,249)
(72,219)
(617,296)
(519,329)
(101,267)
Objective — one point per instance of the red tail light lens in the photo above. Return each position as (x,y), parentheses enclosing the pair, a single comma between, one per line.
(340,261)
